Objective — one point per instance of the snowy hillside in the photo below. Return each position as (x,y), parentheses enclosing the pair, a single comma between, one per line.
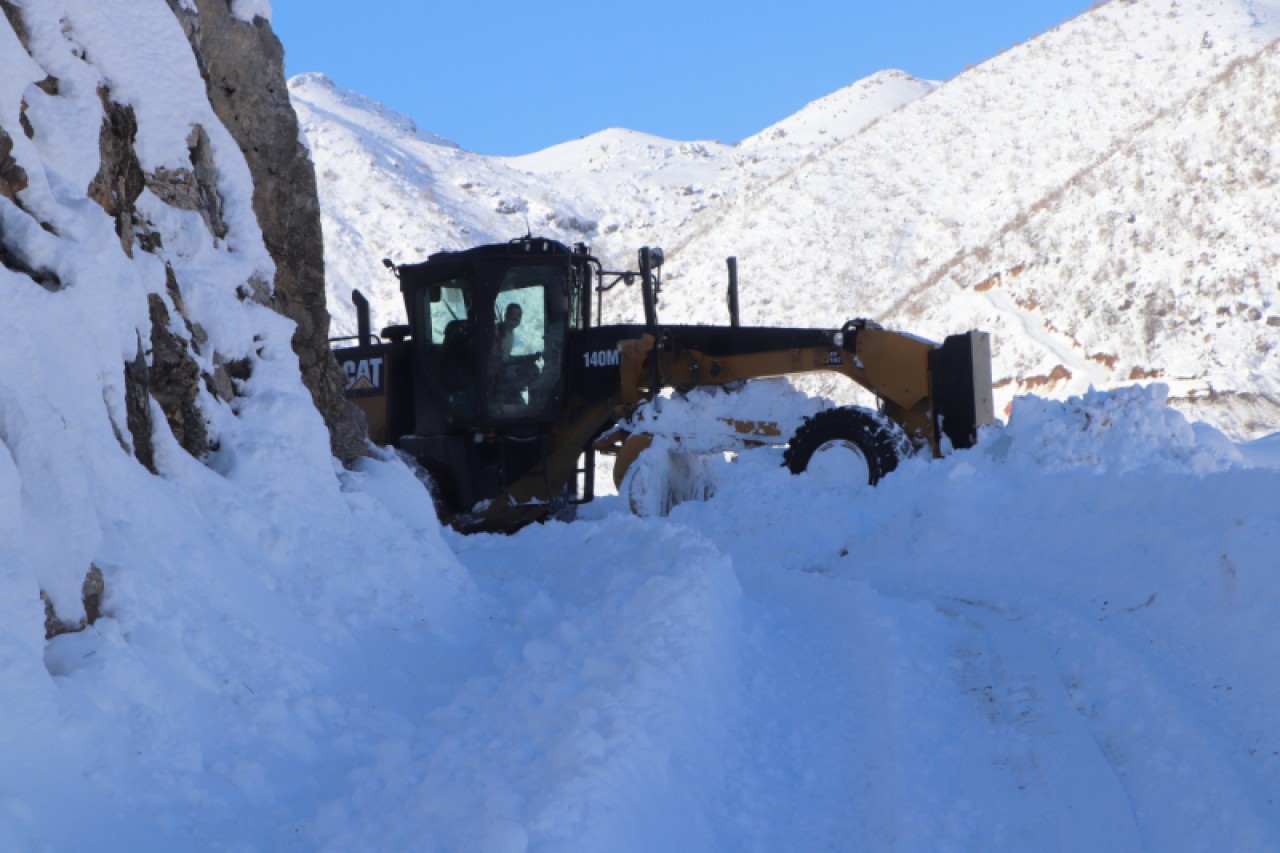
(909,202)
(918,204)
(216,636)
(230,563)
(1156,262)
(391,190)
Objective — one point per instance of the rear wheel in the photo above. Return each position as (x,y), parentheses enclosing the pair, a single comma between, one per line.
(850,444)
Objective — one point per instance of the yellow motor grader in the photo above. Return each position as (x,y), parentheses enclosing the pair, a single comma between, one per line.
(506,407)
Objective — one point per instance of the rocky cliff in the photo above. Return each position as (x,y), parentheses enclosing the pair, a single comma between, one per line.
(179,553)
(158,221)
(241,65)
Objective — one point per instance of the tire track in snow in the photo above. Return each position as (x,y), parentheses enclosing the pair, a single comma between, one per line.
(1070,780)
(873,720)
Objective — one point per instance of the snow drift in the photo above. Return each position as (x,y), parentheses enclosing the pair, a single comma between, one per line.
(239,569)
(1074,618)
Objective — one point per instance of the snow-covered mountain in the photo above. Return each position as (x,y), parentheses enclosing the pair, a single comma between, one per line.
(216,634)
(391,190)
(1099,198)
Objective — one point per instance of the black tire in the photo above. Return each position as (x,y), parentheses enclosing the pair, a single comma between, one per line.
(563,507)
(881,442)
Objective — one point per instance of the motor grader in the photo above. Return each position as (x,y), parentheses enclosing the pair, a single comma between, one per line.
(506,408)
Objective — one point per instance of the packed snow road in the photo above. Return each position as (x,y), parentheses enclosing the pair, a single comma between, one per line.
(1061,639)
(897,723)
(1025,646)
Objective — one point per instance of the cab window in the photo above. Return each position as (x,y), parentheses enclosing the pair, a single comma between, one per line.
(450,355)
(528,342)
(451,306)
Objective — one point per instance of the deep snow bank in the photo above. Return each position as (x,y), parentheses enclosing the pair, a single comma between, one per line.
(1121,431)
(588,716)
(1070,618)
(237,583)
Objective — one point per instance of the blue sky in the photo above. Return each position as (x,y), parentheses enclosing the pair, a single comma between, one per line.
(501,77)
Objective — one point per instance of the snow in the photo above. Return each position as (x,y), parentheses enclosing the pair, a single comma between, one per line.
(703,420)
(970,656)
(1061,638)
(390,189)
(1100,198)
(1125,430)
(248,10)
(1264,452)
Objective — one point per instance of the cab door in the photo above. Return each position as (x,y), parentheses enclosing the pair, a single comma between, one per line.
(447,373)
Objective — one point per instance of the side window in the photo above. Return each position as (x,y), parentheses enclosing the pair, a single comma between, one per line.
(528,343)
(521,320)
(450,307)
(451,354)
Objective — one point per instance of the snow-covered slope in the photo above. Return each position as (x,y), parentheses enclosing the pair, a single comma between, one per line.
(907,201)
(390,190)
(645,191)
(882,224)
(1077,617)
(828,121)
(239,574)
(1157,261)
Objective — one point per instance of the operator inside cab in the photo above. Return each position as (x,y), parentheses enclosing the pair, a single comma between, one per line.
(507,330)
(512,373)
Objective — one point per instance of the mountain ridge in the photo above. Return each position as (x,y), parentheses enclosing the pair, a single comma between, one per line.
(898,215)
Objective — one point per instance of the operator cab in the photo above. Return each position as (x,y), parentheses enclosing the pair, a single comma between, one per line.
(489,331)
(499,383)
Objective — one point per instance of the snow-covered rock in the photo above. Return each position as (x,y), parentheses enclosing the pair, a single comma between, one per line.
(156,434)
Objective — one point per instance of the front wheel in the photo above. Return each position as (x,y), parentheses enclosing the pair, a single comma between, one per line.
(849,443)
